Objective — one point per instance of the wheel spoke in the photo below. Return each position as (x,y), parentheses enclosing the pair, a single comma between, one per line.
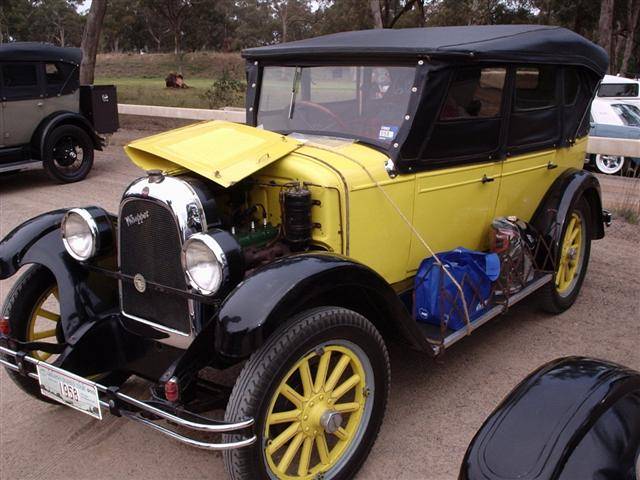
(346,407)
(337,373)
(293,396)
(560,274)
(305,376)
(54,317)
(283,438)
(574,234)
(305,456)
(43,334)
(283,417)
(341,433)
(321,374)
(345,387)
(293,448)
(323,449)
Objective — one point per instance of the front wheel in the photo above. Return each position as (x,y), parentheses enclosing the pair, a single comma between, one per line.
(318,391)
(571,268)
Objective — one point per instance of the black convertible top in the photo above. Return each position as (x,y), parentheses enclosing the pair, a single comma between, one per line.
(511,43)
(35,52)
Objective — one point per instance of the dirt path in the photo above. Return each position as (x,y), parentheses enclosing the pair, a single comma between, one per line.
(435,407)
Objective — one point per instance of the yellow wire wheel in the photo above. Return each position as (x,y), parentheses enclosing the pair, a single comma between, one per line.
(317,390)
(44,320)
(317,411)
(571,254)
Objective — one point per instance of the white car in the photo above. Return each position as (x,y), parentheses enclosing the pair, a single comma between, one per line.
(618,104)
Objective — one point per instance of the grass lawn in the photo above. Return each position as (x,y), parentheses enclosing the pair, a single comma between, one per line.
(151,91)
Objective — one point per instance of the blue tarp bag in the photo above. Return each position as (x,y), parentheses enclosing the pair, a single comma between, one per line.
(438,300)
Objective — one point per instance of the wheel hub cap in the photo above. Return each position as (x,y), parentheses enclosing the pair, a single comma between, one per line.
(331,421)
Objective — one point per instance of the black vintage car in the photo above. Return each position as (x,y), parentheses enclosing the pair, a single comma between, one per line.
(47,118)
(573,418)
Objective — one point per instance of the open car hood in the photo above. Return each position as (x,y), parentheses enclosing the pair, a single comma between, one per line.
(223,152)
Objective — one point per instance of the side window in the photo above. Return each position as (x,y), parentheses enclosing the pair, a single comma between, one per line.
(571,86)
(20,80)
(535,88)
(474,93)
(468,128)
(53,74)
(535,117)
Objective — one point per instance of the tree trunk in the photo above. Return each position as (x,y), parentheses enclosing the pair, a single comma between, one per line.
(377,15)
(605,27)
(634,25)
(90,40)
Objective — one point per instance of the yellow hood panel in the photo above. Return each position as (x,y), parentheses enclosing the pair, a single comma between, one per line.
(224,152)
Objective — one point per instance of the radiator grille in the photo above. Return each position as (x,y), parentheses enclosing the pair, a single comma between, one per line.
(150,245)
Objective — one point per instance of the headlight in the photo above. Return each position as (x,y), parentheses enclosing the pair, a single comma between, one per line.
(211,260)
(79,234)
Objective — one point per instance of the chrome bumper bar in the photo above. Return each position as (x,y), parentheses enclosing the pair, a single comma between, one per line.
(118,403)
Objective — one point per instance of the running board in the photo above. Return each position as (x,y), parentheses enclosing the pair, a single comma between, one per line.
(20,166)
(497,310)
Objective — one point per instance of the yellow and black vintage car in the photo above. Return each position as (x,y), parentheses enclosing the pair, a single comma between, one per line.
(292,243)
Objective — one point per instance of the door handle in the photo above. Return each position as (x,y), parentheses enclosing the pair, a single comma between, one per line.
(40,103)
(486,179)
(551,165)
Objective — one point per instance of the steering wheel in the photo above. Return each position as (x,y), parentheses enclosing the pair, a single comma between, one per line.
(331,117)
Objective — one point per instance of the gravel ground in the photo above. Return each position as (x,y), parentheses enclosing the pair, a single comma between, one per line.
(434,409)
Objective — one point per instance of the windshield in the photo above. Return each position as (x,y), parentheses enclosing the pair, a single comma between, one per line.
(363,102)
(630,114)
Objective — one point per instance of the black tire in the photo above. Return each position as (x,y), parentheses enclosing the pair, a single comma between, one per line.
(19,306)
(304,336)
(551,299)
(62,143)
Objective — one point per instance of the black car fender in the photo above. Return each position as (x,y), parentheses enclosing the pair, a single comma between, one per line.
(271,295)
(83,293)
(543,428)
(49,123)
(552,212)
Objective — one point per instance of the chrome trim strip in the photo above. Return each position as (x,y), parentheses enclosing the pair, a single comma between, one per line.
(186,209)
(218,427)
(497,310)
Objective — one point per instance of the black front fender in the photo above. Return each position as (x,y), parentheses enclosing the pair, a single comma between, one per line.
(276,292)
(47,125)
(82,293)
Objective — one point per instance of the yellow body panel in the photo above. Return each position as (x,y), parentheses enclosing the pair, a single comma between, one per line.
(450,207)
(224,152)
(526,178)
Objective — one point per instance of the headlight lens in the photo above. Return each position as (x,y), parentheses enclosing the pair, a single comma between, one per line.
(79,234)
(204,263)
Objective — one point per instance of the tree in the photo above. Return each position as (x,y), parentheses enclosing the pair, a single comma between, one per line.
(90,40)
(605,27)
(632,33)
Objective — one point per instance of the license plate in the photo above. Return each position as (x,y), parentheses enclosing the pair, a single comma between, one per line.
(69,389)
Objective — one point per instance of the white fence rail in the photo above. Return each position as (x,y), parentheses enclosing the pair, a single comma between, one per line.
(228,114)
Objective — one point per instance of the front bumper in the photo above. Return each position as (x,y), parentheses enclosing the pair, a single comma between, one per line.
(146,412)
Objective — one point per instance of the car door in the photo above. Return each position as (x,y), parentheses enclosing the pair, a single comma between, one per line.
(22,101)
(534,132)
(456,193)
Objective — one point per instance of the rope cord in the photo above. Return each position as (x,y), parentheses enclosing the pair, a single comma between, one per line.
(411,227)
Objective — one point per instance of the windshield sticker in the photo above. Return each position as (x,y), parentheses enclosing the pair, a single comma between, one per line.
(387,132)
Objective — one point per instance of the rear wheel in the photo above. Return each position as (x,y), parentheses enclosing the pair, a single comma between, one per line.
(68,155)
(609,164)
(318,391)
(575,248)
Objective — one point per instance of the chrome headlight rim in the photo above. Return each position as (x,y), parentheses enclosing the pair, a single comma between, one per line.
(93,230)
(218,253)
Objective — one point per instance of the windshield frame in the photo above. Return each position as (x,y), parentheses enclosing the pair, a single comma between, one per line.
(255,72)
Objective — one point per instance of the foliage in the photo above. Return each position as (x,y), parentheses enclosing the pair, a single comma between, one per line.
(225,91)
(230,25)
